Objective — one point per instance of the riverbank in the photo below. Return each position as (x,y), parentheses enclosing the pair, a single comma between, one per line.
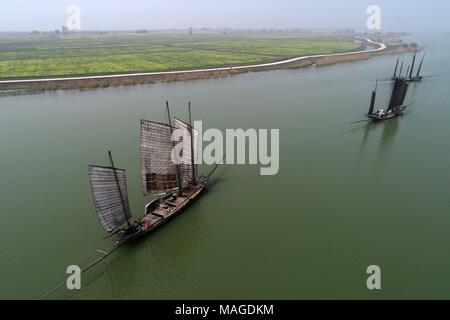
(362,56)
(38,85)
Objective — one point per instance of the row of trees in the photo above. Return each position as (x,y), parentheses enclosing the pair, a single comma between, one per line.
(64,30)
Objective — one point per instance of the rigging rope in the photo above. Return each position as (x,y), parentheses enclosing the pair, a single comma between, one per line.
(89,266)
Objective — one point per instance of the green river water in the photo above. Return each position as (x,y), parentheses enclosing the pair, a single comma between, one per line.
(346,196)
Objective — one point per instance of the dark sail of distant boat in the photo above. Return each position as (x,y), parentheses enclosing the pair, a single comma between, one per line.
(396,106)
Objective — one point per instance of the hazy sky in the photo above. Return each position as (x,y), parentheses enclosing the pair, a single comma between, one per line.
(397,15)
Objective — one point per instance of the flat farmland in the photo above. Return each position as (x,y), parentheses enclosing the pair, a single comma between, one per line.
(27,56)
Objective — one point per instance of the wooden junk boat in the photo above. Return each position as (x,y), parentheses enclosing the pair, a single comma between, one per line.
(176,185)
(409,76)
(396,105)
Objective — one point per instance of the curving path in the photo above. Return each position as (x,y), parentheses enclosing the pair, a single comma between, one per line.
(381,47)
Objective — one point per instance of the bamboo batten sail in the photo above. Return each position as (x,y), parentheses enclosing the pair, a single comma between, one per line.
(187,170)
(403,88)
(398,93)
(158,172)
(394,94)
(110,203)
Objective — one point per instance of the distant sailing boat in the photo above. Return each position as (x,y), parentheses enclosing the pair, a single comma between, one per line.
(396,105)
(409,76)
(176,185)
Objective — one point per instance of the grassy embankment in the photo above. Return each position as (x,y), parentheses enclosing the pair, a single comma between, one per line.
(26,56)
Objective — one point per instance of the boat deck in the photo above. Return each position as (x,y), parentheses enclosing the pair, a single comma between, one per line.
(151,219)
(176,202)
(169,207)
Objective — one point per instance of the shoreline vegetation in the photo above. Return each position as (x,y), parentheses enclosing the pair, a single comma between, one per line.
(170,57)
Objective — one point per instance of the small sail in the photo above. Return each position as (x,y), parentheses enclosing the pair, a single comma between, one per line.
(372,101)
(110,203)
(158,172)
(188,171)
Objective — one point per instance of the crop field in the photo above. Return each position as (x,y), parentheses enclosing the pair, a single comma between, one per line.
(25,56)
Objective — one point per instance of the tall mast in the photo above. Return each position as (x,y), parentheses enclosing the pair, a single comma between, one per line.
(177,166)
(394,93)
(407,71)
(401,69)
(420,66)
(412,67)
(396,66)
(191,133)
(118,185)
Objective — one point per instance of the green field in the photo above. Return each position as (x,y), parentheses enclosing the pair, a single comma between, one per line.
(23,56)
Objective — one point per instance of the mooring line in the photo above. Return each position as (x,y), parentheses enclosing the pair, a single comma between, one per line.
(59,285)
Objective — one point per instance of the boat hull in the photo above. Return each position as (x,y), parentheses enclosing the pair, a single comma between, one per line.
(378,119)
(386,116)
(160,211)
